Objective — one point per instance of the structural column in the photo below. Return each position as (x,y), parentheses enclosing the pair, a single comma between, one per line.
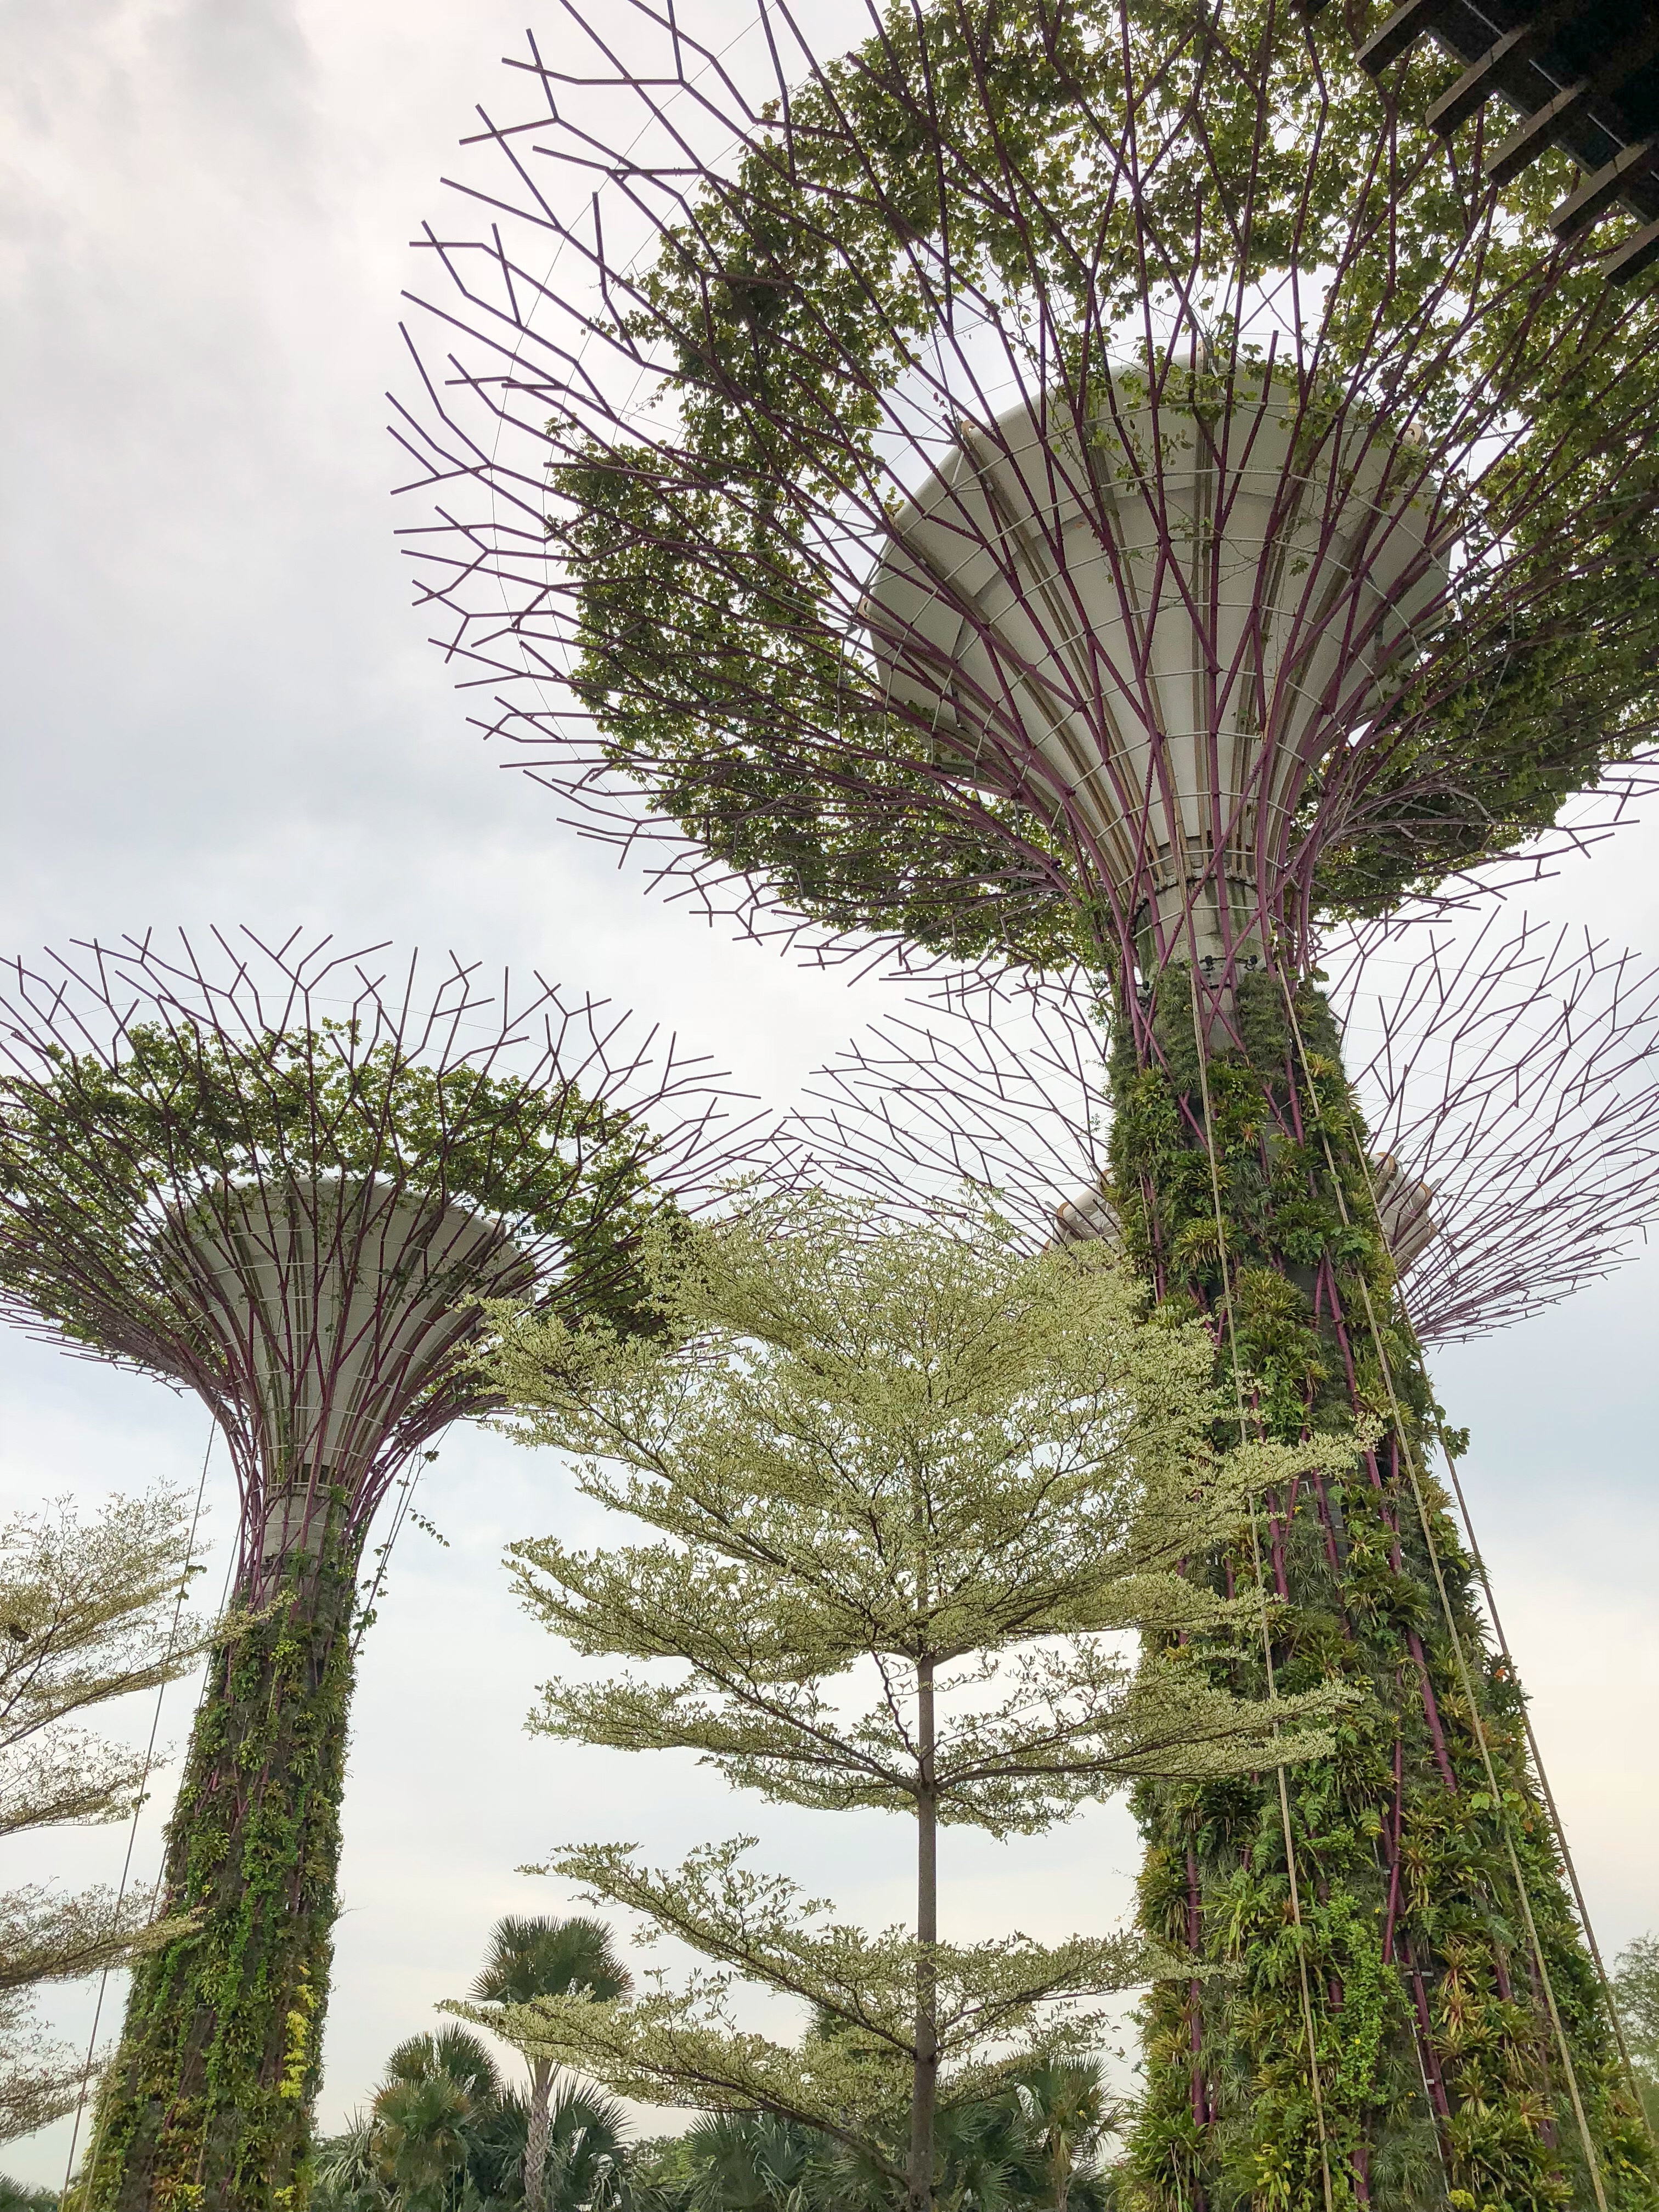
(1373,2022)
(207,2104)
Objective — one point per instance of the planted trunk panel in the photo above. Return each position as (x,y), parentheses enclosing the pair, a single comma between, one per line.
(1392,1933)
(208,2102)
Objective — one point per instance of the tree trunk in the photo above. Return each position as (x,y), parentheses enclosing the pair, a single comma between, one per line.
(924,2091)
(1431,2030)
(536,2136)
(207,2106)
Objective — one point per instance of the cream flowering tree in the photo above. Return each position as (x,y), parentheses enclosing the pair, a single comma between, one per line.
(90,1611)
(912,1494)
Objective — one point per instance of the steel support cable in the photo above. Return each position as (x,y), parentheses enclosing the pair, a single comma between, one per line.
(406,1492)
(1409,1453)
(1556,1822)
(1261,1600)
(1421,2043)
(133,1828)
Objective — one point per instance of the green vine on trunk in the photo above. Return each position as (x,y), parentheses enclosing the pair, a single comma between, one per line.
(1439,2072)
(207,2106)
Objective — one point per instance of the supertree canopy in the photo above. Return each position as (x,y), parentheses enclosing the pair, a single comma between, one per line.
(286,1181)
(1053,457)
(1083,482)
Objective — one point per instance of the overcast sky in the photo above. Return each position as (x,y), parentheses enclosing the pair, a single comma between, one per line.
(219,708)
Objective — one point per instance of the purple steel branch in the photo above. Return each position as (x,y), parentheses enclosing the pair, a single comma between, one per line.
(1514,1069)
(322,1314)
(1390,479)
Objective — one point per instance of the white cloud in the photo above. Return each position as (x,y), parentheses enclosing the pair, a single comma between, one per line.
(219,708)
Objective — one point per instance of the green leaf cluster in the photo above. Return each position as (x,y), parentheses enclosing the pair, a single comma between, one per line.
(208,2098)
(97,1151)
(971,161)
(1409,1926)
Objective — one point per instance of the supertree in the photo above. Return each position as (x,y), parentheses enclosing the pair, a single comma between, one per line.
(1514,1071)
(1096,484)
(285,1179)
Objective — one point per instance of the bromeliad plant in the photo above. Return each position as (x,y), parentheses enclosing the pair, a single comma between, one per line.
(297,1214)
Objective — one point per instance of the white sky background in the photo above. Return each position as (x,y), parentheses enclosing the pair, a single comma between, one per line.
(217,707)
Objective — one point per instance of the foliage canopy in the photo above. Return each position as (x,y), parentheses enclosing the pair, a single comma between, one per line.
(989,198)
(914,1489)
(98,1152)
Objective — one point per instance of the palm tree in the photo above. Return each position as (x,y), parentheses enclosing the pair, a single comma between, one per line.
(346,2178)
(1033,2147)
(1067,2114)
(754,2162)
(983,2150)
(422,2134)
(24,2196)
(531,1958)
(444,2135)
(495,2164)
(452,2051)
(584,2171)
(436,2090)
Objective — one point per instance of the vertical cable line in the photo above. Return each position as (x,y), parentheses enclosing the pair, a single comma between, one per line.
(1261,1597)
(1409,1456)
(383,1558)
(1557,1825)
(133,1828)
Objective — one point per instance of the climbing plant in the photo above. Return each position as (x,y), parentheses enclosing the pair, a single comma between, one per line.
(210,2097)
(1390,2002)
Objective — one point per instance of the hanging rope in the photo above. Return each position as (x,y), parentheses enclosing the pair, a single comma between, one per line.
(1262,1599)
(132,1826)
(400,1514)
(1409,1457)
(1557,1827)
